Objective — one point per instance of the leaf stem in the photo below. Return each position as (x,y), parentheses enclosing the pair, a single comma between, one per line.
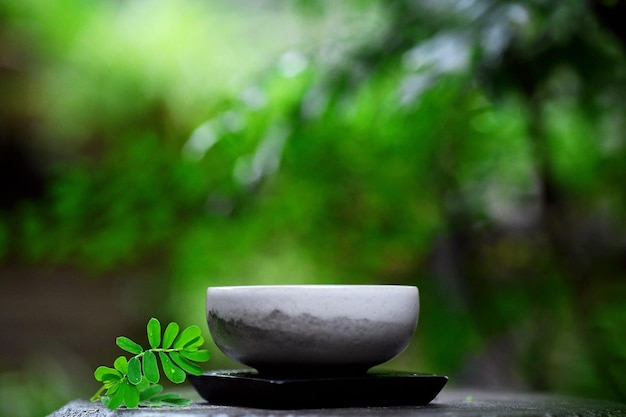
(156,350)
(98,394)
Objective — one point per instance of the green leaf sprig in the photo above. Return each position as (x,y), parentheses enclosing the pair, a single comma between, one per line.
(134,382)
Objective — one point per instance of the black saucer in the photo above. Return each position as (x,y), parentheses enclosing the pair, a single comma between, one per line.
(250,389)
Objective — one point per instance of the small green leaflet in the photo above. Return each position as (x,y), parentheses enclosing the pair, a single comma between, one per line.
(150,367)
(154,333)
(172,372)
(104,373)
(121,364)
(131,395)
(185,364)
(200,355)
(190,335)
(134,370)
(170,334)
(128,345)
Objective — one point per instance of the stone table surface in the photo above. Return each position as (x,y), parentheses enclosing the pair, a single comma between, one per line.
(449,403)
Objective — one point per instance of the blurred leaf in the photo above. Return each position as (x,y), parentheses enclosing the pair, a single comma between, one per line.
(150,392)
(170,399)
(177,402)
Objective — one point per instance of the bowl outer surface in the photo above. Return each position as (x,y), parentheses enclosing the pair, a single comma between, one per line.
(312,327)
(389,303)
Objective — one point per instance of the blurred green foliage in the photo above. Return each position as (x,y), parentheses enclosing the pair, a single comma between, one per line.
(474,149)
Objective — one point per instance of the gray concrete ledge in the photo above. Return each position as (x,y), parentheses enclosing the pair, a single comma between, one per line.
(449,403)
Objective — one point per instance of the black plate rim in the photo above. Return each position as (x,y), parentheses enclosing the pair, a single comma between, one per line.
(280,379)
(245,388)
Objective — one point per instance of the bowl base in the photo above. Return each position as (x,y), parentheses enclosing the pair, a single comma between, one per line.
(245,388)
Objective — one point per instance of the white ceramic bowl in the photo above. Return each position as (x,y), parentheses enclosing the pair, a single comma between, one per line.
(312,329)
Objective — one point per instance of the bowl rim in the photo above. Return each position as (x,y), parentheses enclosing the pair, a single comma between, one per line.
(310,286)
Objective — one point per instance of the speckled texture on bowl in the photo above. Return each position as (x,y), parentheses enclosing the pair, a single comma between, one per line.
(312,329)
